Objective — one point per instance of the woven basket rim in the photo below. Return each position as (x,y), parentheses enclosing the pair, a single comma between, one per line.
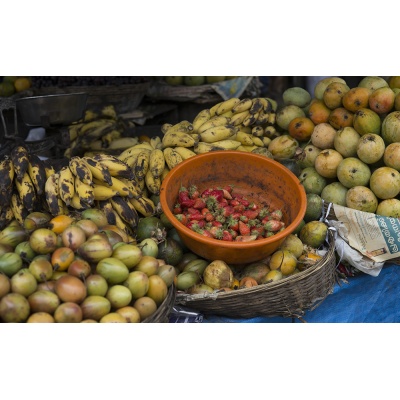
(165,308)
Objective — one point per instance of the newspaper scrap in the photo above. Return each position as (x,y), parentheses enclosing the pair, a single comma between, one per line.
(376,237)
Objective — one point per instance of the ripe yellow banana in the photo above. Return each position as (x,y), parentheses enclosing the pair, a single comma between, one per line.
(202,117)
(244,138)
(227,144)
(141,165)
(66,184)
(272,118)
(237,119)
(165,127)
(263,118)
(227,105)
(266,141)
(98,171)
(221,132)
(26,191)
(172,139)
(144,206)
(156,163)
(257,141)
(218,120)
(77,204)
(270,131)
(153,183)
(123,143)
(184,152)
(73,130)
(203,147)
(18,209)
(102,192)
(247,148)
(243,105)
(156,142)
(172,157)
(133,186)
(182,127)
(116,167)
(93,127)
(267,105)
(125,210)
(20,160)
(109,137)
(84,192)
(53,200)
(37,173)
(109,111)
(166,170)
(80,169)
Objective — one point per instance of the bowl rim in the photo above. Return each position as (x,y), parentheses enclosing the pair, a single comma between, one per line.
(234,244)
(78,94)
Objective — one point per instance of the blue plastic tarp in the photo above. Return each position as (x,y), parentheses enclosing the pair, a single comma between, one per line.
(364,298)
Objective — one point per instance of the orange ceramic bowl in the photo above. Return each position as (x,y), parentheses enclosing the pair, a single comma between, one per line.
(260,179)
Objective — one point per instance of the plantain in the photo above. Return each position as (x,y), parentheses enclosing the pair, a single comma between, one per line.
(144,206)
(18,209)
(133,186)
(37,173)
(80,169)
(102,192)
(66,184)
(53,200)
(125,210)
(98,171)
(84,192)
(6,180)
(141,165)
(107,208)
(20,160)
(26,191)
(116,167)
(136,149)
(117,185)
(256,106)
(7,215)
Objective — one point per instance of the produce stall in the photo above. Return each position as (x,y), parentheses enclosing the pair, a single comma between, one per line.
(247,208)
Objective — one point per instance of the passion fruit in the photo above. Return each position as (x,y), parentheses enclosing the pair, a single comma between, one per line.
(149,227)
(14,308)
(43,241)
(170,251)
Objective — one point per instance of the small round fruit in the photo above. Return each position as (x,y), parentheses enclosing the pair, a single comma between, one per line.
(273,276)
(14,308)
(119,296)
(314,233)
(361,198)
(40,317)
(61,258)
(113,317)
(284,260)
(43,241)
(145,306)
(130,314)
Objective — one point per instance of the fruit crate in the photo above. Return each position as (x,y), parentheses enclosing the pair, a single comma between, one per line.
(288,297)
(163,311)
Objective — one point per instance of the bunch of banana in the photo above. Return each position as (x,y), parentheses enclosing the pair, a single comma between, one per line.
(99,132)
(22,183)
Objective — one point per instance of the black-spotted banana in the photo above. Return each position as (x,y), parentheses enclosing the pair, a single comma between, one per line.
(243,105)
(133,186)
(102,192)
(156,142)
(217,133)
(218,120)
(80,169)
(274,104)
(270,132)
(125,210)
(257,141)
(6,215)
(66,184)
(121,224)
(204,147)
(172,139)
(53,200)
(182,126)
(73,130)
(250,119)
(226,105)
(267,105)
(184,152)
(116,167)
(84,192)
(26,191)
(263,118)
(129,157)
(272,118)
(257,131)
(77,203)
(153,183)
(109,137)
(20,160)
(144,206)
(172,157)
(141,165)
(227,144)
(107,208)
(256,106)
(165,127)
(93,127)
(202,117)
(237,119)
(98,171)
(18,209)
(109,111)
(6,173)
(37,172)
(156,163)
(244,138)
(166,170)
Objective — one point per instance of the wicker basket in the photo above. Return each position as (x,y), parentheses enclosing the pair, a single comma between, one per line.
(289,297)
(163,311)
